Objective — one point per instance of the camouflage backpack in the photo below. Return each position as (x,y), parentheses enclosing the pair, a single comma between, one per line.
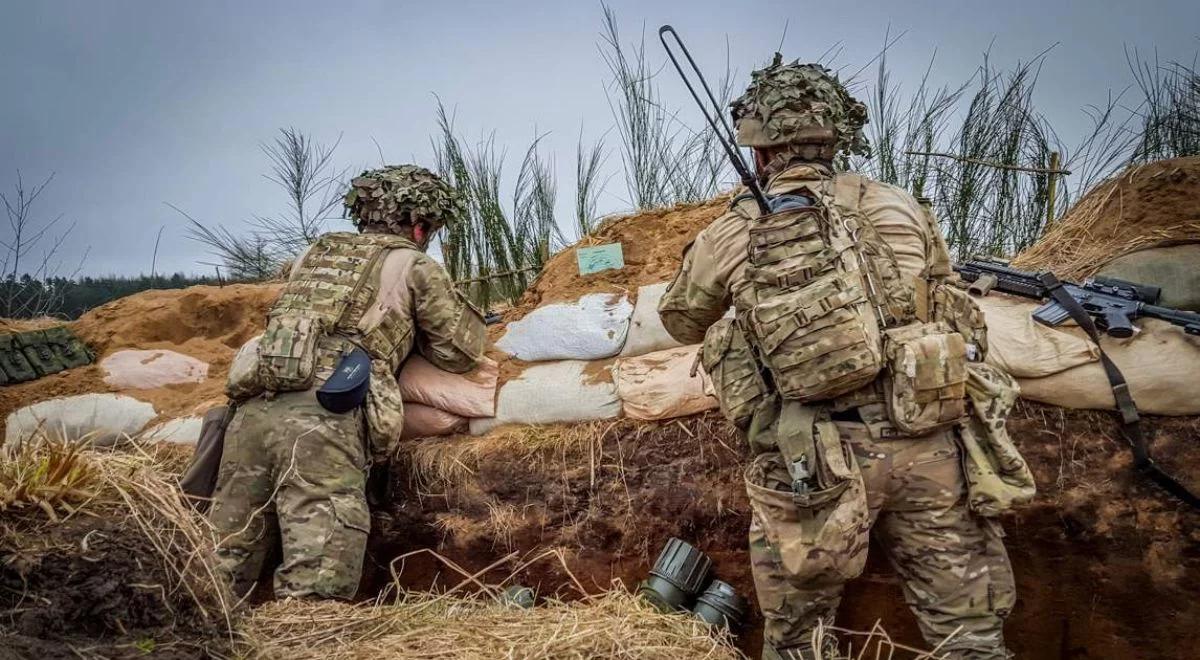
(319,313)
(820,285)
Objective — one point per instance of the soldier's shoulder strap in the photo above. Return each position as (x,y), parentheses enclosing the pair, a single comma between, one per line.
(848,190)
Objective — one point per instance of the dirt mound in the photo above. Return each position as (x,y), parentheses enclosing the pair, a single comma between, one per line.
(1107,564)
(101,557)
(652,243)
(205,322)
(25,325)
(1145,206)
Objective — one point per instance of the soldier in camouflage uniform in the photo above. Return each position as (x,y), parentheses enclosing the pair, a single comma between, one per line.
(857,472)
(293,472)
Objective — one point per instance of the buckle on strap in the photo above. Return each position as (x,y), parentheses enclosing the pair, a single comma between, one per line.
(801,476)
(1125,404)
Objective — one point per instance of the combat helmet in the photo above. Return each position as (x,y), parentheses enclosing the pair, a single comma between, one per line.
(789,104)
(392,195)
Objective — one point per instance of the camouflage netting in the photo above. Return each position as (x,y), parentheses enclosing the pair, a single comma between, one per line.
(386,196)
(799,103)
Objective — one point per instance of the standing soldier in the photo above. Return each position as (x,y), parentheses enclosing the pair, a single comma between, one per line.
(293,470)
(846,365)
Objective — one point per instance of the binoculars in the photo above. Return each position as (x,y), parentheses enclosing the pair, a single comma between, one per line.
(680,581)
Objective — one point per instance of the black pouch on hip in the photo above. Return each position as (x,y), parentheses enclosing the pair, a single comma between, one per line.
(347,388)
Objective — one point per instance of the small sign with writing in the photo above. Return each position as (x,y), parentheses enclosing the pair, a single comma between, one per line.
(600,257)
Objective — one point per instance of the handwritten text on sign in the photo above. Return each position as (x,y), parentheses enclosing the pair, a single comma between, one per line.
(600,257)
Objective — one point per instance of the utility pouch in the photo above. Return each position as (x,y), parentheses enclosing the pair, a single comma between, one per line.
(244,381)
(287,353)
(734,372)
(812,326)
(925,386)
(956,308)
(384,412)
(820,539)
(346,388)
(997,476)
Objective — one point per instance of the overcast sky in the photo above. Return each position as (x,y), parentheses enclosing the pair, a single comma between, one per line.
(134,104)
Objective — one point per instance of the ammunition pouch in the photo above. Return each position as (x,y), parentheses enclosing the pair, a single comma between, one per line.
(955,307)
(925,386)
(735,375)
(287,352)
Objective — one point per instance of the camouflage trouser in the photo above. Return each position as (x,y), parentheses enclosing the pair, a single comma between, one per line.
(293,473)
(955,572)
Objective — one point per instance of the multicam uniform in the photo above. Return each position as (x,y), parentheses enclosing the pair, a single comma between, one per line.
(955,572)
(846,366)
(295,472)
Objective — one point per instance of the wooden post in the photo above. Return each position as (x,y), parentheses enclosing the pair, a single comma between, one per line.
(1052,188)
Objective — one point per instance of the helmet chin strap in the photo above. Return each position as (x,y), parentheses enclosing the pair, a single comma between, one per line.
(421,235)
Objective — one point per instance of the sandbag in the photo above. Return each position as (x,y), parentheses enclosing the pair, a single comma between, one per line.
(142,370)
(183,431)
(566,391)
(1161,365)
(1025,348)
(421,421)
(472,394)
(660,385)
(592,328)
(646,331)
(101,419)
(1174,268)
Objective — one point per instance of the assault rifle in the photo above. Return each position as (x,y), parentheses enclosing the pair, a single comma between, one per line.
(1114,304)
(1100,303)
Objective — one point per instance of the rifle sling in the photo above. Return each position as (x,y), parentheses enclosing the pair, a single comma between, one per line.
(1131,427)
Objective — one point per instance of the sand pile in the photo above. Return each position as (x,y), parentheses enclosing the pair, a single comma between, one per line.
(652,243)
(208,323)
(1144,206)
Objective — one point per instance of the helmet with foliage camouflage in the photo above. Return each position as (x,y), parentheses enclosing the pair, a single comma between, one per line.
(392,195)
(799,104)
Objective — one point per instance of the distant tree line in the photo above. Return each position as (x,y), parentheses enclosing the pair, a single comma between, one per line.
(68,298)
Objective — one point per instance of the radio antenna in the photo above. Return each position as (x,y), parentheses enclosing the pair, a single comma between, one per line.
(716,119)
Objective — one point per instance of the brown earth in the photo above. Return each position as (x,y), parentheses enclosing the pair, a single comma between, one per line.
(1142,207)
(89,588)
(206,322)
(1107,565)
(25,325)
(652,243)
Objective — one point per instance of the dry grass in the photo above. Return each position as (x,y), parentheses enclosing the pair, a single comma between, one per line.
(53,477)
(1091,234)
(443,462)
(47,482)
(615,624)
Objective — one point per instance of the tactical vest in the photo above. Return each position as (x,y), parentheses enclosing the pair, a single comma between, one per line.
(320,313)
(829,315)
